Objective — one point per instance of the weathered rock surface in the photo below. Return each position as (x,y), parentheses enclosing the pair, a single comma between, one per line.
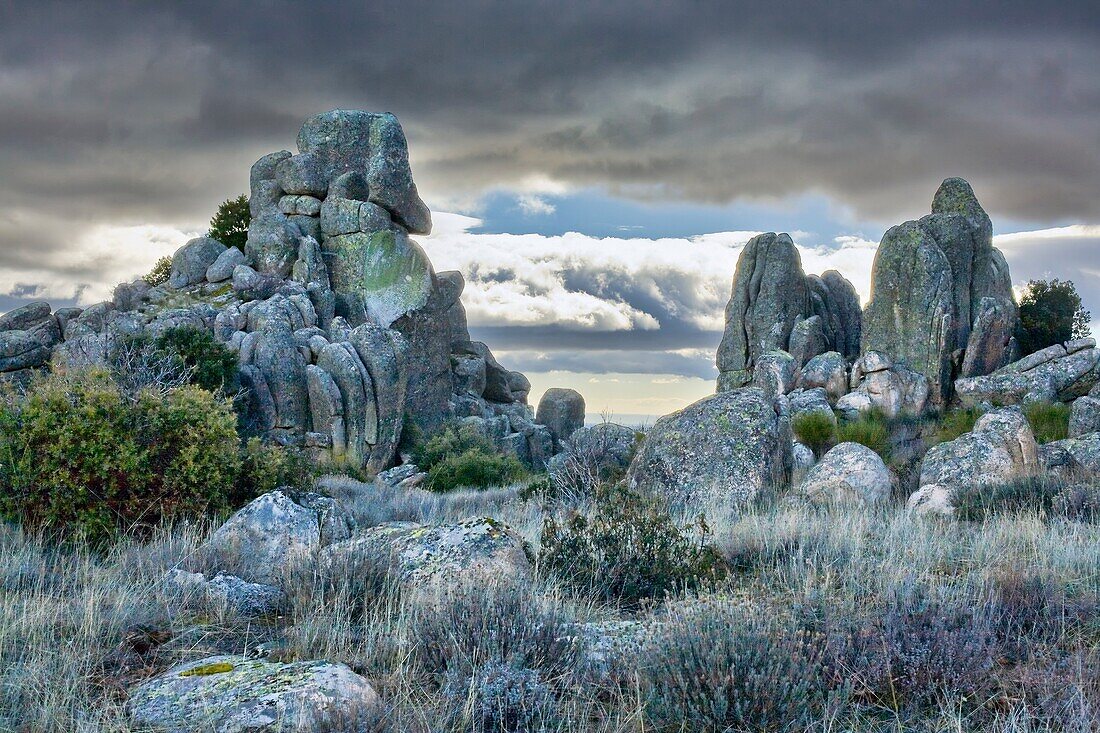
(232,694)
(474,550)
(775,372)
(222,268)
(273,533)
(190,262)
(1050,375)
(229,593)
(726,448)
(1000,448)
(1084,416)
(848,473)
(562,411)
(827,371)
(1074,458)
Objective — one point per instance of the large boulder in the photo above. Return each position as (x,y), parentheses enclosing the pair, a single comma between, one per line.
(233,694)
(20,350)
(190,262)
(377,276)
(27,317)
(1052,374)
(475,550)
(561,410)
(989,341)
(375,146)
(221,269)
(845,316)
(272,245)
(911,312)
(848,473)
(273,533)
(769,294)
(1084,416)
(727,448)
(1000,448)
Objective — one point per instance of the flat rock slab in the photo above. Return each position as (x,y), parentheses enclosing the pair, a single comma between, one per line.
(232,694)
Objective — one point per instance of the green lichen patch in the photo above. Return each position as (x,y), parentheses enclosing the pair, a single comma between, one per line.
(208,669)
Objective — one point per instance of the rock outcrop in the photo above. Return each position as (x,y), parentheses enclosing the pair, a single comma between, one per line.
(774,306)
(725,449)
(343,328)
(941,298)
(1059,373)
(849,473)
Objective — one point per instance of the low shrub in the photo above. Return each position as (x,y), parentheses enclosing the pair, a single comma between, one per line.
(816,429)
(628,549)
(460,456)
(716,666)
(1078,503)
(78,456)
(956,423)
(266,467)
(1048,421)
(871,429)
(975,502)
(498,698)
(162,270)
(213,366)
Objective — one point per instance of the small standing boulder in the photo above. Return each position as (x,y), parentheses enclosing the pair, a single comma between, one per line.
(1084,416)
(562,411)
(190,262)
(848,473)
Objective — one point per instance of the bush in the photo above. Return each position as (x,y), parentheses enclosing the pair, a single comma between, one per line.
(499,698)
(1048,421)
(213,366)
(871,429)
(1050,313)
(230,223)
(460,456)
(266,467)
(628,549)
(78,456)
(956,423)
(976,502)
(160,273)
(719,667)
(816,429)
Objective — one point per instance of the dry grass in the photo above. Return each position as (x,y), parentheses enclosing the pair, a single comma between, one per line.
(77,629)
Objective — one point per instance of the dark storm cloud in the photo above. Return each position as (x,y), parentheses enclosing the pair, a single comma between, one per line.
(127,113)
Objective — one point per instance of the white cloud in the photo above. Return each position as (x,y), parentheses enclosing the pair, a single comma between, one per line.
(533,205)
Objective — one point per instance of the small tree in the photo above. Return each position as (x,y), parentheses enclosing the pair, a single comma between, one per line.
(1050,313)
(230,224)
(160,272)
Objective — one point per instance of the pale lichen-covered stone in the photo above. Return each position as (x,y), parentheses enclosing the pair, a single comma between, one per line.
(848,473)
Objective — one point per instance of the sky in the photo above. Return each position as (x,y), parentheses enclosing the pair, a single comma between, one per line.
(593,168)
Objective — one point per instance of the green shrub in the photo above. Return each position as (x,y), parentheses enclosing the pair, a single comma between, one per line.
(162,269)
(1051,312)
(1035,493)
(871,429)
(460,456)
(957,423)
(1048,421)
(628,549)
(230,223)
(79,456)
(717,666)
(816,429)
(266,467)
(214,366)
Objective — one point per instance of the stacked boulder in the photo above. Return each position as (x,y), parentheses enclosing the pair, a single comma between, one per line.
(1058,373)
(775,306)
(941,296)
(343,329)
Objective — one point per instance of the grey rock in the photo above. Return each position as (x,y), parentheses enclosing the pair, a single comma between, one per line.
(233,694)
(605,446)
(468,374)
(264,199)
(1001,447)
(265,168)
(1050,376)
(357,389)
(775,372)
(1080,457)
(64,315)
(828,371)
(768,295)
(309,226)
(808,339)
(303,174)
(350,185)
(340,216)
(272,245)
(1072,347)
(811,400)
(520,386)
(222,268)
(276,355)
(472,551)
(251,285)
(728,448)
(562,411)
(911,315)
(274,533)
(384,354)
(374,145)
(497,378)
(845,314)
(848,473)
(228,593)
(1084,416)
(932,500)
(988,346)
(300,205)
(26,317)
(378,276)
(21,350)
(190,261)
(326,406)
(259,410)
(130,296)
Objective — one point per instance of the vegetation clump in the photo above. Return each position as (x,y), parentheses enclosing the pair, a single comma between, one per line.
(1048,421)
(871,429)
(1051,313)
(460,456)
(817,430)
(628,549)
(956,423)
(213,366)
(230,223)
(162,270)
(79,456)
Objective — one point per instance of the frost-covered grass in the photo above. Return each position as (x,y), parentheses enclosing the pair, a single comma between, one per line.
(835,619)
